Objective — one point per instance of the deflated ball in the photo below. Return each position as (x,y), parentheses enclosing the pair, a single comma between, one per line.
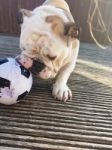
(15,81)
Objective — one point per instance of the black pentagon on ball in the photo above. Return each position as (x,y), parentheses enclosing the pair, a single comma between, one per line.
(4,83)
(4,60)
(22,95)
(25,72)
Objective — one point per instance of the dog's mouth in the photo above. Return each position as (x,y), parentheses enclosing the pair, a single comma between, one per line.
(37,67)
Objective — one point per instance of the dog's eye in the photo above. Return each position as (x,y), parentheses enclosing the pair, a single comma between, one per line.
(51,57)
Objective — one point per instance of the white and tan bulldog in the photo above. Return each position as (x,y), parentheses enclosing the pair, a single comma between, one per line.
(50,38)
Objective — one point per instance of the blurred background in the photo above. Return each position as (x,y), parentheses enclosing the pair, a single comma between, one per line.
(81,10)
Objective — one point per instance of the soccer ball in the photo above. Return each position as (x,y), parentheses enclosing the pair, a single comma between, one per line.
(15,81)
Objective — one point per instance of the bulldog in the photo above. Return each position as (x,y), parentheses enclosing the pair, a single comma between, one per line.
(50,39)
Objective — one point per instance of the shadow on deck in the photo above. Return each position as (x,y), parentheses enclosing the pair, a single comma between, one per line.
(40,122)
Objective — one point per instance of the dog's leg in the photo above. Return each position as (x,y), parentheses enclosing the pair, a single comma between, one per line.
(60,89)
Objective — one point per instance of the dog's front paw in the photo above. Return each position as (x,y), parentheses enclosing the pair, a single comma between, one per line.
(61,92)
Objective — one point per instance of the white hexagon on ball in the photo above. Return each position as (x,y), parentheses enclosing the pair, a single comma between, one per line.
(15,81)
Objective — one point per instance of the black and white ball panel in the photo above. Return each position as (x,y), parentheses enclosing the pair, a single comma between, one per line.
(25,72)
(4,60)
(20,97)
(4,83)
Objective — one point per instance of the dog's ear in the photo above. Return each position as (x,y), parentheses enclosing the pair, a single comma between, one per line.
(62,29)
(71,30)
(22,14)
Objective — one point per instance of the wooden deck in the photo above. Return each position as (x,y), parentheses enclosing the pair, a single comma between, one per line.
(41,123)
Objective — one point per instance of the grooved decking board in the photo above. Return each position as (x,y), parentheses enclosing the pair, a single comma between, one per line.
(39,122)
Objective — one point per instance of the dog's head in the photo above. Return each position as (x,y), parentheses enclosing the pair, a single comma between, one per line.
(47,39)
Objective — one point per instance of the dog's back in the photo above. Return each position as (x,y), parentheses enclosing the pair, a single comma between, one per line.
(62,4)
(57,3)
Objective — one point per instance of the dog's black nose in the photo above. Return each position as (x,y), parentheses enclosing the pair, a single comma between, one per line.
(37,67)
